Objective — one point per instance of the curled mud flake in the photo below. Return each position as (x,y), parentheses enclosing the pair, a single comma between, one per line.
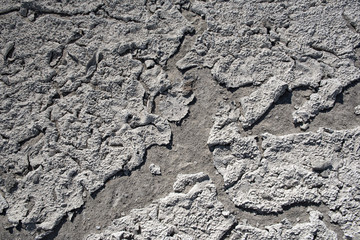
(315,227)
(320,101)
(185,179)
(256,105)
(8,50)
(3,204)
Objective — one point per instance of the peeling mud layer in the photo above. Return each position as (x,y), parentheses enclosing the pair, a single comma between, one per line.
(179,119)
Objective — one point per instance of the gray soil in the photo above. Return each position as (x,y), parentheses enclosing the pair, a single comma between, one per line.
(186,150)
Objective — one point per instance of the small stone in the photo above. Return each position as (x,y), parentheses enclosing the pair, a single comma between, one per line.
(32,17)
(226,213)
(36,178)
(70,216)
(325,174)
(98,227)
(154,169)
(304,127)
(357,110)
(149,63)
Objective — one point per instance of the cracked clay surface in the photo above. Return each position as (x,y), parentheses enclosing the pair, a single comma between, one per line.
(179,119)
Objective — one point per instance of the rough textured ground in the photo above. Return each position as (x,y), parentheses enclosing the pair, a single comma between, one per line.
(179,119)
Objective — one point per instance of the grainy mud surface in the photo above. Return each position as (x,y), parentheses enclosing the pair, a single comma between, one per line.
(179,119)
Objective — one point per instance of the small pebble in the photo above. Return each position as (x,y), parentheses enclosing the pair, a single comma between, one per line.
(31,17)
(226,213)
(357,110)
(304,126)
(154,169)
(149,63)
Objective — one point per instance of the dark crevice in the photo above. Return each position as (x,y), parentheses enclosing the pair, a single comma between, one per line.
(19,226)
(22,142)
(76,36)
(234,89)
(9,10)
(42,10)
(29,167)
(229,231)
(184,70)
(322,49)
(227,186)
(129,50)
(256,212)
(349,23)
(284,208)
(54,58)
(301,204)
(75,159)
(146,99)
(117,18)
(73,58)
(91,65)
(54,233)
(4,136)
(315,234)
(224,146)
(9,51)
(259,144)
